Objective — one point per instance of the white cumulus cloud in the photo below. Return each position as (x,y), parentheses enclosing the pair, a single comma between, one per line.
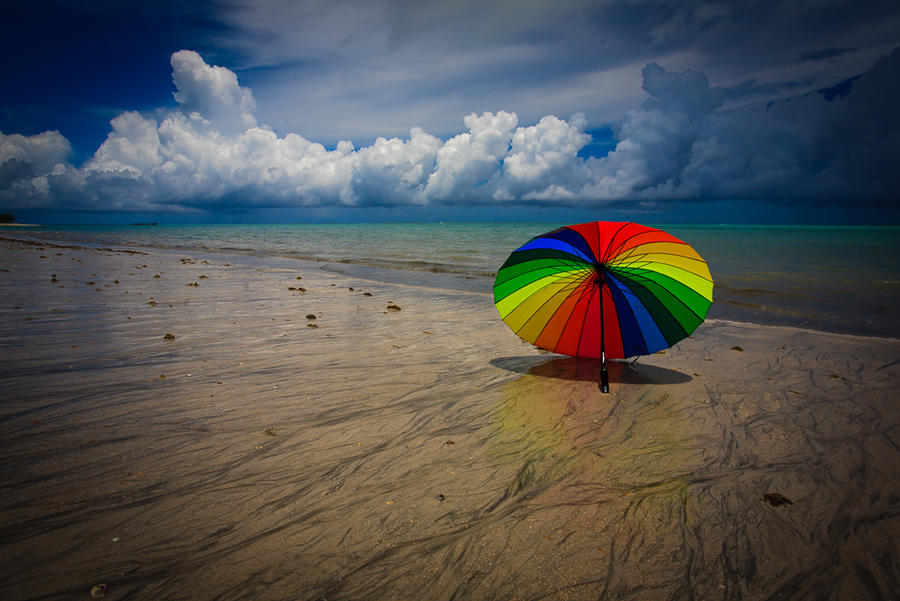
(209,153)
(212,92)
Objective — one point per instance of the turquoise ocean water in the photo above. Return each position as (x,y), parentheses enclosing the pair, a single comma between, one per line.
(839,279)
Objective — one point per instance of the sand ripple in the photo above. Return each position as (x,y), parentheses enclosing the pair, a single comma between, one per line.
(419,454)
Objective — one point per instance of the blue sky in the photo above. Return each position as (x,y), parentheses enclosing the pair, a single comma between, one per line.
(337,110)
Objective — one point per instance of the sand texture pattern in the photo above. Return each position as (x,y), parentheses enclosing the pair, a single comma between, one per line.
(204,427)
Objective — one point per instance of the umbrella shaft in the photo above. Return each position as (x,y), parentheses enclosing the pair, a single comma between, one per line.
(604,374)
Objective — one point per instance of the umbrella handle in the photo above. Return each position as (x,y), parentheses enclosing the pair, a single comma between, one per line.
(604,378)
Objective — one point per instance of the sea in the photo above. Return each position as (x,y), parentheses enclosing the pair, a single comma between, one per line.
(842,279)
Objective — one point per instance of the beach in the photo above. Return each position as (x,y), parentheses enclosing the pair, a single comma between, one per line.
(182,424)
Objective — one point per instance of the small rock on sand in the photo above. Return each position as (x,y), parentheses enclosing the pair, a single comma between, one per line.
(310,316)
(99,590)
(393,307)
(169,337)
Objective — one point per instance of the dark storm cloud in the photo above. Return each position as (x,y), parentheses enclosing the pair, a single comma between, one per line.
(680,144)
(822,54)
(786,101)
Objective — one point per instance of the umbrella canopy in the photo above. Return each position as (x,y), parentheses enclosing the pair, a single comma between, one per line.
(604,289)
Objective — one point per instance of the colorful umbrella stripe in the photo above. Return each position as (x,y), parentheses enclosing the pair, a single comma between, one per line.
(604,288)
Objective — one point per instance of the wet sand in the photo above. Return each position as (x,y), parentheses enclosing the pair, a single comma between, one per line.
(420,453)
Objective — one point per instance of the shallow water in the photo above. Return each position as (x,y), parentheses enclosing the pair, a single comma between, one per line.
(837,279)
(424,453)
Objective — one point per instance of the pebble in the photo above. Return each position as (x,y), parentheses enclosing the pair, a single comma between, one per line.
(99,590)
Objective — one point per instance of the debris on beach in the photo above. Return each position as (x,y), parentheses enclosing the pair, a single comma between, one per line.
(738,349)
(99,590)
(194,284)
(440,497)
(310,316)
(393,307)
(312,325)
(169,337)
(367,294)
(270,432)
(776,500)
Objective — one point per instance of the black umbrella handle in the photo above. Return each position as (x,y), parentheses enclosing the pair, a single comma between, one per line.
(604,378)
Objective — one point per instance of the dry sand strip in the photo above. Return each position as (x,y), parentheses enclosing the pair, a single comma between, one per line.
(202,427)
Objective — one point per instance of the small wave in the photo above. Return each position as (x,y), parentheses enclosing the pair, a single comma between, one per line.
(411,265)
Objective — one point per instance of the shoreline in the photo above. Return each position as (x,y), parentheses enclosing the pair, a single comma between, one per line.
(369,453)
(723,310)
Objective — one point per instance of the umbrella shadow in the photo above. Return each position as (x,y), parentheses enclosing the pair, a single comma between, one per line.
(588,370)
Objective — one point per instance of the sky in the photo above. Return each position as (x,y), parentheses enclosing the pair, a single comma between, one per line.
(394,110)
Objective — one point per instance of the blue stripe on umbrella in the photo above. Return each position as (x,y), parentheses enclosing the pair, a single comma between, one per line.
(552,243)
(644,326)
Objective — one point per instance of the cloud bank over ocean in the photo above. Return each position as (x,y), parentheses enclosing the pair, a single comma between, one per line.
(210,153)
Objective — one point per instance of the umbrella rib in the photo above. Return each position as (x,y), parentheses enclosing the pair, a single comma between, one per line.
(563,262)
(606,252)
(559,263)
(633,260)
(653,317)
(569,289)
(585,292)
(639,279)
(633,315)
(644,266)
(581,294)
(618,248)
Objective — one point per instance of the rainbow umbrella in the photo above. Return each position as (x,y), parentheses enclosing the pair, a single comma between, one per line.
(603,290)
